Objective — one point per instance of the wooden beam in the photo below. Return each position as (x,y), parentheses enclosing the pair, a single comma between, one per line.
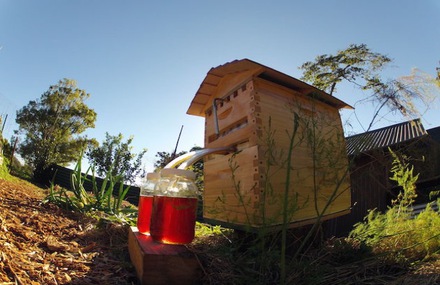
(158,263)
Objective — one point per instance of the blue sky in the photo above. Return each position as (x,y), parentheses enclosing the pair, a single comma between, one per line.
(143,61)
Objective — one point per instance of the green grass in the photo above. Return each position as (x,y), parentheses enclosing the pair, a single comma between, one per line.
(4,172)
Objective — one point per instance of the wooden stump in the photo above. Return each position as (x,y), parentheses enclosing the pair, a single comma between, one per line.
(158,263)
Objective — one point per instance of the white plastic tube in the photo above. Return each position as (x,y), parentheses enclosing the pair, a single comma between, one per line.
(203,152)
(178,160)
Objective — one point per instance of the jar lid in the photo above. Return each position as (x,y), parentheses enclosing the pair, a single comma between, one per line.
(179,172)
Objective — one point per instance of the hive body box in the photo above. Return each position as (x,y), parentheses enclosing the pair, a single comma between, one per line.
(269,117)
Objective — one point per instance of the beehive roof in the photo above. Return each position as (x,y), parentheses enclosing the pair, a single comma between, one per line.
(239,72)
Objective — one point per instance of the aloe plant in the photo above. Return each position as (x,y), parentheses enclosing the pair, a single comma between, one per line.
(99,197)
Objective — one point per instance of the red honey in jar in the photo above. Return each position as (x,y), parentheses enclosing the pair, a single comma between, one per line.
(174,210)
(146,203)
(174,219)
(144,216)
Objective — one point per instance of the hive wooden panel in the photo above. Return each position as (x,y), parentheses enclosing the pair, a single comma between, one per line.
(241,197)
(226,199)
(248,188)
(259,111)
(235,117)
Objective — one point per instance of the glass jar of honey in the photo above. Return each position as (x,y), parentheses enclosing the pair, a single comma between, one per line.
(173,215)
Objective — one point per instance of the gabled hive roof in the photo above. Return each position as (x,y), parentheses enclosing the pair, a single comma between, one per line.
(242,70)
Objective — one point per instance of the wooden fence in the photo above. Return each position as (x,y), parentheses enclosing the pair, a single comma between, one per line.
(62,176)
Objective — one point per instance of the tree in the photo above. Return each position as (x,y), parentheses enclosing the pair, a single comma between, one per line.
(52,126)
(116,156)
(438,75)
(355,62)
(360,66)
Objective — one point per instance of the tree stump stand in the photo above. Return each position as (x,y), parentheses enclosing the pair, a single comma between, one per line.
(158,263)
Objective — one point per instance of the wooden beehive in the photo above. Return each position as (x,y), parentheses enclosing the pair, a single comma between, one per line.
(270,117)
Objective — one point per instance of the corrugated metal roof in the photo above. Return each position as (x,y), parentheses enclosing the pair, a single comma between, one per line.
(239,71)
(385,137)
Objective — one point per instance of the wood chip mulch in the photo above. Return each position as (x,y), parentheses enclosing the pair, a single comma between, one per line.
(43,244)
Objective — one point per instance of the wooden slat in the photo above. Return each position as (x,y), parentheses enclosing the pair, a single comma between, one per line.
(233,138)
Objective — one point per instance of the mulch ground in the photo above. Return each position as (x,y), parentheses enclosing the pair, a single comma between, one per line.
(43,244)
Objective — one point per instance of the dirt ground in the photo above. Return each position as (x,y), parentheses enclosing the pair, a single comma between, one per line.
(43,244)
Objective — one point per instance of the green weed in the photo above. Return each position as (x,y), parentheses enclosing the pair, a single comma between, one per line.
(96,199)
(396,234)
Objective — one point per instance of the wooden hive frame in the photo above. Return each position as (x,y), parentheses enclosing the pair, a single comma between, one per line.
(261,118)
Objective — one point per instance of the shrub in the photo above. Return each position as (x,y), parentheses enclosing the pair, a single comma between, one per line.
(397,234)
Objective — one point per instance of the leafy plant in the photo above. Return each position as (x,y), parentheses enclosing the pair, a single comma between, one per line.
(403,174)
(77,181)
(360,66)
(355,62)
(98,198)
(397,234)
(4,173)
(116,156)
(52,125)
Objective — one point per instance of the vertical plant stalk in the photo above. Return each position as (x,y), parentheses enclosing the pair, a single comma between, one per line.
(122,192)
(312,141)
(315,146)
(286,202)
(403,175)
(317,223)
(77,183)
(237,186)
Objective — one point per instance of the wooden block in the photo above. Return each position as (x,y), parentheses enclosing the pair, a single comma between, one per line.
(158,263)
